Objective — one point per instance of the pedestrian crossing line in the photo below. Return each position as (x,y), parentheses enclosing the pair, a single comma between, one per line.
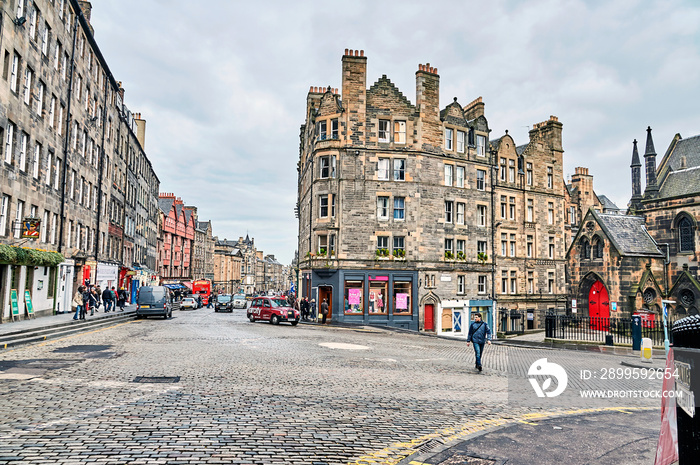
(395,453)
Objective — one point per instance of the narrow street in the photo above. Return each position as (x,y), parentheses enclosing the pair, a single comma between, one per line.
(219,389)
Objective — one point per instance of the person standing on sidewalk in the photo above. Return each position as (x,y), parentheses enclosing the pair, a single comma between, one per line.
(92,300)
(479,334)
(122,299)
(78,302)
(324,310)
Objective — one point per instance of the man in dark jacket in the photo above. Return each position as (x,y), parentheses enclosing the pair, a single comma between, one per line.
(324,310)
(107,299)
(479,334)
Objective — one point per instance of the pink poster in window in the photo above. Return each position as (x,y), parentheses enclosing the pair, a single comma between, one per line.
(401,301)
(354,296)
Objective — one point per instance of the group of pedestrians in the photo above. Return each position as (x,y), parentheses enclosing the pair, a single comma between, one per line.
(89,298)
(307,309)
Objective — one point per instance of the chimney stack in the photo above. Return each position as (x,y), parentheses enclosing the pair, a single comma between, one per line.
(140,130)
(428,104)
(354,92)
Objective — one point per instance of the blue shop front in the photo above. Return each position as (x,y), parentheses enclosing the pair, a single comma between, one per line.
(377,297)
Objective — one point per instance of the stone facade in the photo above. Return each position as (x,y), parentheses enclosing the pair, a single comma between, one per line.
(71,155)
(203,253)
(228,263)
(668,211)
(397,200)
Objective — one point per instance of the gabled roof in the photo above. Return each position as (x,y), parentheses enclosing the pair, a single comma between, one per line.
(627,234)
(188,213)
(165,205)
(386,84)
(607,203)
(681,183)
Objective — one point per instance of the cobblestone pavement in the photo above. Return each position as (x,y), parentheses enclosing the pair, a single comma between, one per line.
(254,393)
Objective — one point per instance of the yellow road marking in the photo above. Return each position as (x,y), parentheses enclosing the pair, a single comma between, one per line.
(394,453)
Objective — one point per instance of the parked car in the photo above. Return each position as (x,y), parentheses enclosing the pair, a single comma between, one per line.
(223,303)
(154,301)
(188,302)
(240,301)
(272,309)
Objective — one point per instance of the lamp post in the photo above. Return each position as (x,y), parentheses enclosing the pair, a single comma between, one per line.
(667,343)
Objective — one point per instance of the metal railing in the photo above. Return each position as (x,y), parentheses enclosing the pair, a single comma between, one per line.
(598,329)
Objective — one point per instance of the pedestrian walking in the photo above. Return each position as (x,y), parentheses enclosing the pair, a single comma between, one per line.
(92,300)
(78,302)
(86,302)
(121,299)
(324,310)
(98,296)
(480,334)
(107,299)
(312,309)
(304,305)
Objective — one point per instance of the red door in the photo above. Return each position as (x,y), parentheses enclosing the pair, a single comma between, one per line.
(429,318)
(599,306)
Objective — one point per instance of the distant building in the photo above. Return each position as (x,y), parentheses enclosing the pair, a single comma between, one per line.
(227,267)
(178,238)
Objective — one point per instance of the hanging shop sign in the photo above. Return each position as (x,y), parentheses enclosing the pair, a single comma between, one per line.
(30,228)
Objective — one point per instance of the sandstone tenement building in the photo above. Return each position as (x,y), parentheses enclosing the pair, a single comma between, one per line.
(411,216)
(72,157)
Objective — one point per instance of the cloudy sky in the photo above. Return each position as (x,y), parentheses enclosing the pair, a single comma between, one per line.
(222,84)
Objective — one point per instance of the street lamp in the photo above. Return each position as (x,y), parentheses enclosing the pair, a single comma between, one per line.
(667,343)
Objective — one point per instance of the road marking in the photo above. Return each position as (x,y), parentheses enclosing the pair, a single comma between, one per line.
(395,453)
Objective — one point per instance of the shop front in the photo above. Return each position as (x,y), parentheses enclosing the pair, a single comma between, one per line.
(455,316)
(375,297)
(106,275)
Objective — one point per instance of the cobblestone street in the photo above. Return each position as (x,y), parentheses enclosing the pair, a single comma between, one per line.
(254,393)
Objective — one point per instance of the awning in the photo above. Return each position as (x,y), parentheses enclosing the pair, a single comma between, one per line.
(174,286)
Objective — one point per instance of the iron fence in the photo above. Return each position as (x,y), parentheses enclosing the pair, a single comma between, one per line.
(600,330)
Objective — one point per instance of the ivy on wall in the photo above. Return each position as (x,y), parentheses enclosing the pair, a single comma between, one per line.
(31,257)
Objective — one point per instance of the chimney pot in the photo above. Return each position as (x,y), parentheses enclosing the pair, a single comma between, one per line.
(346,54)
(362,53)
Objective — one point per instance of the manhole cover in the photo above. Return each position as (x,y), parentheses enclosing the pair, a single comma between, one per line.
(82,348)
(157,379)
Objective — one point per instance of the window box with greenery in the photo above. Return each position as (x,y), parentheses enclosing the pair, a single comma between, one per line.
(399,254)
(321,252)
(482,257)
(382,253)
(461,256)
(449,255)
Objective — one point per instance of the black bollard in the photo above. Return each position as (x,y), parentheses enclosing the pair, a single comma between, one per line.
(686,351)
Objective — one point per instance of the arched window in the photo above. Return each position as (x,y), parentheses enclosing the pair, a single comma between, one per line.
(597,247)
(686,241)
(585,249)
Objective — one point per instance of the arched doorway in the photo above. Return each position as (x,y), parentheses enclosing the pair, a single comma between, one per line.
(599,306)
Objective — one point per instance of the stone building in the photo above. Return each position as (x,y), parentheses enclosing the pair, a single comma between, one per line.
(203,253)
(400,207)
(635,273)
(68,145)
(228,266)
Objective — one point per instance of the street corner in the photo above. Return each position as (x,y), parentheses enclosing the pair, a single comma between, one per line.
(601,436)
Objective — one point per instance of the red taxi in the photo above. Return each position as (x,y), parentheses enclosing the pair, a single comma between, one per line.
(272,309)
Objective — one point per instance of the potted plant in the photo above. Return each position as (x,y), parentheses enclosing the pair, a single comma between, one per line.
(322,252)
(382,253)
(449,255)
(399,253)
(482,257)
(460,255)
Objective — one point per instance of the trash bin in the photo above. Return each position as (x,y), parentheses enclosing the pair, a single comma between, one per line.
(686,351)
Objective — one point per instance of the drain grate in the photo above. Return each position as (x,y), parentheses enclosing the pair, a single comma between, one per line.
(429,445)
(468,460)
(157,379)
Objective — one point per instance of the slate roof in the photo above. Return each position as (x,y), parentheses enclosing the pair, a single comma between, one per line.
(188,213)
(203,225)
(496,143)
(607,203)
(627,233)
(165,205)
(520,149)
(681,183)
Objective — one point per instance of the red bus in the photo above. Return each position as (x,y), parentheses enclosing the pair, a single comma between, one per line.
(202,288)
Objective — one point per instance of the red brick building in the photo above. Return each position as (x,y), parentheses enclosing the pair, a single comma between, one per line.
(175,253)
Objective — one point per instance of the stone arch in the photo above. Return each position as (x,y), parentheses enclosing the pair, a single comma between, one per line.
(685,226)
(597,246)
(584,287)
